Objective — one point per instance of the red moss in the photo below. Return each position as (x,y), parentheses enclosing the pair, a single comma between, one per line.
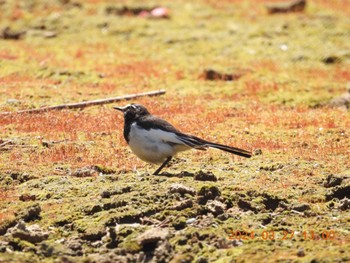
(7,55)
(342,6)
(342,74)
(138,70)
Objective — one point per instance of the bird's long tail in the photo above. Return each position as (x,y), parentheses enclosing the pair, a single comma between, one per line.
(201,144)
(230,149)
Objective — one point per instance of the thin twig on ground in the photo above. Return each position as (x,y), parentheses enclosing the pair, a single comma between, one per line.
(5,143)
(89,103)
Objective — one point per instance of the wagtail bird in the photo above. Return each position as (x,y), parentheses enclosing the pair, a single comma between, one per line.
(155,140)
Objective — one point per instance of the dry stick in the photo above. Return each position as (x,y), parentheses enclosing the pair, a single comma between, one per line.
(4,143)
(90,102)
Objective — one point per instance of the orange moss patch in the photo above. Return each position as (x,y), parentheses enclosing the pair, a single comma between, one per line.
(310,134)
(61,121)
(137,71)
(6,216)
(81,156)
(268,65)
(7,55)
(338,74)
(341,73)
(342,6)
(258,8)
(17,78)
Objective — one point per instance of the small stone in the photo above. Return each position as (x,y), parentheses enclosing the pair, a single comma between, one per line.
(215,207)
(106,194)
(97,244)
(331,59)
(344,204)
(207,193)
(183,205)
(74,244)
(202,260)
(211,74)
(163,252)
(301,207)
(83,172)
(152,236)
(332,181)
(181,189)
(223,217)
(30,213)
(103,169)
(32,234)
(245,205)
(160,12)
(191,221)
(182,241)
(257,152)
(9,33)
(27,197)
(50,34)
(301,253)
(13,101)
(237,243)
(286,7)
(223,243)
(343,101)
(3,246)
(60,241)
(339,192)
(202,176)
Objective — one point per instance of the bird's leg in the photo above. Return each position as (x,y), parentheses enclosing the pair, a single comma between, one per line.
(162,166)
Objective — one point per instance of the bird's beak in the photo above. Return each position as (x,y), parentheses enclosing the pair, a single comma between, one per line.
(119,108)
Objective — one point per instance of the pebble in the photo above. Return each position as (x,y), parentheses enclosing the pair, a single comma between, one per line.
(191,221)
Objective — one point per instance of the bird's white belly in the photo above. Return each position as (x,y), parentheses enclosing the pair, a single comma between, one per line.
(154,145)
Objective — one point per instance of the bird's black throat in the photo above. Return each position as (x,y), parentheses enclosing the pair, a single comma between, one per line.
(127,127)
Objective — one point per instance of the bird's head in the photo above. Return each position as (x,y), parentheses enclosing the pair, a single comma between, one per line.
(133,111)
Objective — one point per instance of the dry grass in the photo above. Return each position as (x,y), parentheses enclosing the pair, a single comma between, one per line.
(278,106)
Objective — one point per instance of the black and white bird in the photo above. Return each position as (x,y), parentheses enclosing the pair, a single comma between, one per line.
(156,141)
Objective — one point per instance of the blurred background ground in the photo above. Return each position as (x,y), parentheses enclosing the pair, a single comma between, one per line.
(276,84)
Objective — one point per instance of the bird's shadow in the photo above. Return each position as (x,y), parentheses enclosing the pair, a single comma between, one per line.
(179,175)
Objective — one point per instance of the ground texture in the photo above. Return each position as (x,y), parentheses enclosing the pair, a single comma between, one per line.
(72,191)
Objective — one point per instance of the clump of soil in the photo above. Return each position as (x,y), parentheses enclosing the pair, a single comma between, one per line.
(153,12)
(8,33)
(202,176)
(332,181)
(30,213)
(286,7)
(207,193)
(338,192)
(211,74)
(32,233)
(343,101)
(181,189)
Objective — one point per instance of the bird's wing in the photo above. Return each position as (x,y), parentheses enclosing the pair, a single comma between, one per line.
(159,129)
(153,122)
(165,131)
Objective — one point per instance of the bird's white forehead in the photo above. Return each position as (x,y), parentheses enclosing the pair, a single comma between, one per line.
(130,105)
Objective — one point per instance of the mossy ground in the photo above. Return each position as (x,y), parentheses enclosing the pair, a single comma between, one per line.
(71,172)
